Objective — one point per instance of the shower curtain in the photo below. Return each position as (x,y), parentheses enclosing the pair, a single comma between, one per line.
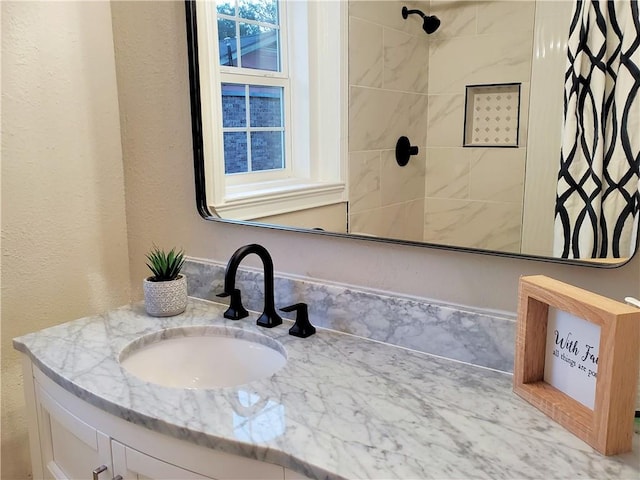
(597,203)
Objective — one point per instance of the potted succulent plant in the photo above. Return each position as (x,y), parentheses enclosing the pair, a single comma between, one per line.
(165,292)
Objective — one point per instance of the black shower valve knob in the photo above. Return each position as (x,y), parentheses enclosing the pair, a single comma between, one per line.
(404,151)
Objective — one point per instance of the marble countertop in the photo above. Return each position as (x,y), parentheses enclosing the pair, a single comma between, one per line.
(342,407)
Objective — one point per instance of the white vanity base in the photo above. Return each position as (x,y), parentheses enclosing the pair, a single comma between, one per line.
(70,438)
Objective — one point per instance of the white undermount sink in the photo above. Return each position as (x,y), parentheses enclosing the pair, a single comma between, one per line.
(203,357)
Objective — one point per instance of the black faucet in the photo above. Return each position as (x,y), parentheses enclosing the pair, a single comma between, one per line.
(236,311)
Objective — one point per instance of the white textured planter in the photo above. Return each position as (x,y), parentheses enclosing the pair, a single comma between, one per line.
(164,299)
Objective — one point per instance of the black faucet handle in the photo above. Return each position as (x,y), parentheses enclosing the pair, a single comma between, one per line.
(236,310)
(295,308)
(302,328)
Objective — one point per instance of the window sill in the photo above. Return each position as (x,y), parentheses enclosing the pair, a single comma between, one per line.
(269,200)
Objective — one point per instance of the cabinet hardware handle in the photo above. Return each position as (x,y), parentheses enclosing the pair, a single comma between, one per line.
(118,477)
(98,471)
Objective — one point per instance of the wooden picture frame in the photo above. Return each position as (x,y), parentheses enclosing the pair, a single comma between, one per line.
(608,427)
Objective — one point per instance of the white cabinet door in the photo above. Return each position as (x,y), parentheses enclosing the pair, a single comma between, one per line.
(70,448)
(131,464)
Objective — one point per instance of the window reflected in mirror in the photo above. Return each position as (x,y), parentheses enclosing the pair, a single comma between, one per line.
(268,151)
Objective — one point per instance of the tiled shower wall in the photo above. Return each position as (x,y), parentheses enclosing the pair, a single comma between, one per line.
(388,87)
(405,82)
(474,196)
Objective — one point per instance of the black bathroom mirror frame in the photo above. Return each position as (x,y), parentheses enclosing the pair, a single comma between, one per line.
(203,206)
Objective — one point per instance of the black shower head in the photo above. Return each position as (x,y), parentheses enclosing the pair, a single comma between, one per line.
(430,22)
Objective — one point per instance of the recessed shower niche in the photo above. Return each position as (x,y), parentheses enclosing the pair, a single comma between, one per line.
(492,115)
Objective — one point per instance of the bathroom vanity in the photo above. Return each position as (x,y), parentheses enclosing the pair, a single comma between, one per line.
(341,407)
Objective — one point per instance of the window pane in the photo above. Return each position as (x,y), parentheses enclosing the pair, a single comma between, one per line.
(234,105)
(226,7)
(265,11)
(259,47)
(265,106)
(267,152)
(228,46)
(235,152)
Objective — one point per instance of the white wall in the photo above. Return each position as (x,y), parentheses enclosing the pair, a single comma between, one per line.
(64,244)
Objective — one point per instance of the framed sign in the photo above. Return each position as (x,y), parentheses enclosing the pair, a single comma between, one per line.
(577,359)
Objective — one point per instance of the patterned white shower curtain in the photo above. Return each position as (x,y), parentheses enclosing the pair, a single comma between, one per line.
(597,204)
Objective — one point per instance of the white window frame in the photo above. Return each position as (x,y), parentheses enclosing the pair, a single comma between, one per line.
(315,152)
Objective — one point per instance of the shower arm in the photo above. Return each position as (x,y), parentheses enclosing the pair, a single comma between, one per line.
(406,12)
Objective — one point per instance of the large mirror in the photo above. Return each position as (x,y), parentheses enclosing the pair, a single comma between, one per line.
(476,87)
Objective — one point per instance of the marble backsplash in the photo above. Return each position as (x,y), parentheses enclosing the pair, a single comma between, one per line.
(480,338)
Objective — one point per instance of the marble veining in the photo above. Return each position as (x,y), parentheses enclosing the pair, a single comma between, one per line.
(399,220)
(401,184)
(475,337)
(473,223)
(384,115)
(405,62)
(365,65)
(364,181)
(342,406)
